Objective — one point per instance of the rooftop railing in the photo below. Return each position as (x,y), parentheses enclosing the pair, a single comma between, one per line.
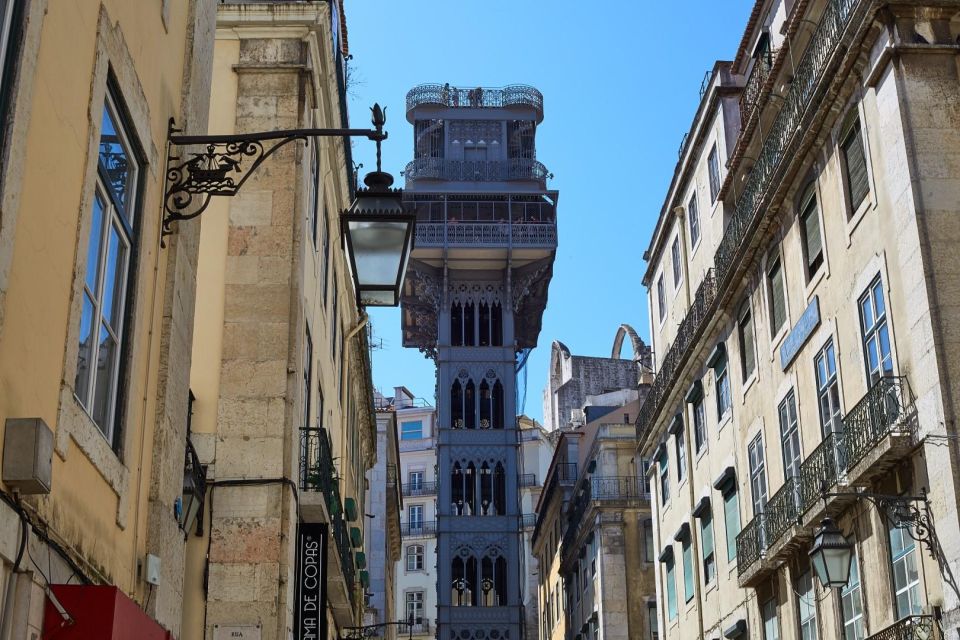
(476,170)
(438,234)
(478,97)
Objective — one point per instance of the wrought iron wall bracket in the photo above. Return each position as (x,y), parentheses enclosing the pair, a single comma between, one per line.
(909,513)
(226,162)
(373,630)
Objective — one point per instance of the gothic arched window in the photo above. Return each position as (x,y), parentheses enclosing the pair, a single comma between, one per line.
(456,405)
(470,406)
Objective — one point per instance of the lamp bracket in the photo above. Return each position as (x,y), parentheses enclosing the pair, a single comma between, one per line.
(225,162)
(909,513)
(372,630)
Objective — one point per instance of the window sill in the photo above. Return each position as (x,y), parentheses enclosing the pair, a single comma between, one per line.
(725,419)
(853,222)
(779,338)
(747,385)
(700,454)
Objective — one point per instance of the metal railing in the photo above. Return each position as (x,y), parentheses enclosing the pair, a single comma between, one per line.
(476,170)
(821,470)
(528,520)
(527,480)
(755,81)
(669,368)
(418,529)
(883,410)
(483,97)
(341,538)
(317,472)
(750,544)
(922,627)
(518,209)
(424,488)
(782,510)
(617,488)
(417,628)
(485,233)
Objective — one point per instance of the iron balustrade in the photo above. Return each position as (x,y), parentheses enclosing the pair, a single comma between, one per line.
(485,233)
(822,469)
(782,511)
(751,90)
(341,538)
(669,368)
(882,411)
(528,520)
(417,628)
(922,627)
(750,544)
(317,472)
(528,480)
(487,97)
(616,488)
(425,488)
(476,170)
(518,209)
(418,529)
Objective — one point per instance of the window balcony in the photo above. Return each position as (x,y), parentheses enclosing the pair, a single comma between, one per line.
(319,486)
(527,480)
(421,628)
(476,170)
(910,628)
(877,433)
(602,491)
(528,520)
(438,95)
(415,489)
(755,87)
(418,529)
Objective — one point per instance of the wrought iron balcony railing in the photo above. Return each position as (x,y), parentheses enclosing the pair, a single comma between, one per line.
(484,97)
(885,409)
(528,520)
(922,627)
(480,208)
(424,488)
(485,234)
(782,511)
(600,489)
(822,469)
(476,170)
(341,538)
(751,90)
(317,472)
(528,480)
(750,544)
(417,628)
(418,529)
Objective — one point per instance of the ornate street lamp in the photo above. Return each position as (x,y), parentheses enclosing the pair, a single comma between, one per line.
(831,555)
(379,236)
(377,230)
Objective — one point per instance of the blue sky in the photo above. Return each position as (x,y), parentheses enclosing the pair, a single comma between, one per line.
(620,80)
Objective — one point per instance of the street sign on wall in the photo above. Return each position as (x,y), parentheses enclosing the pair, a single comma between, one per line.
(311,592)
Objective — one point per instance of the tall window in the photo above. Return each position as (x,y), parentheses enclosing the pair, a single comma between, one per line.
(645,477)
(520,136)
(325,274)
(687,552)
(706,546)
(790,436)
(851,602)
(664,478)
(699,423)
(415,483)
(722,383)
(806,606)
(105,286)
(713,165)
(693,217)
(415,557)
(731,518)
(748,354)
(876,337)
(315,195)
(661,298)
(810,231)
(428,138)
(307,378)
(771,623)
(415,517)
(681,456)
(906,577)
(671,588)
(334,321)
(648,546)
(828,390)
(652,633)
(778,297)
(758,477)
(675,260)
(415,606)
(411,430)
(854,165)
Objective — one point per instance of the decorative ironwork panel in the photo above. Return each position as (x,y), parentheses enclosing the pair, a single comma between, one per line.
(821,470)
(909,628)
(885,409)
(782,511)
(476,170)
(418,530)
(750,544)
(447,96)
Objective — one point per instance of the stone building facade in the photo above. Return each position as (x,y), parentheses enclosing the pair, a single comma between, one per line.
(95,317)
(284,415)
(801,277)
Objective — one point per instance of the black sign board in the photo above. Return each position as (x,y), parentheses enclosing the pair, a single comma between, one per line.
(311,592)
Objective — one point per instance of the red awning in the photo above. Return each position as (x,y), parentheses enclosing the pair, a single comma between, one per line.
(98,613)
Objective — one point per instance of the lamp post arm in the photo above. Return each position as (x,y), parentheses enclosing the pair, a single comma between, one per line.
(909,513)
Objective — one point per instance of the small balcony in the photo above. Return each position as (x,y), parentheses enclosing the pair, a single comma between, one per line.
(910,628)
(418,529)
(476,170)
(878,432)
(527,480)
(622,492)
(421,628)
(528,520)
(415,489)
(441,95)
(319,486)
(752,94)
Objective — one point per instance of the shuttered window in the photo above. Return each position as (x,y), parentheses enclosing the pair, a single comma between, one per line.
(748,360)
(713,165)
(778,298)
(693,214)
(812,240)
(661,299)
(856,165)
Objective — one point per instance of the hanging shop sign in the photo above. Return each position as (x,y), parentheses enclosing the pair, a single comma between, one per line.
(311,614)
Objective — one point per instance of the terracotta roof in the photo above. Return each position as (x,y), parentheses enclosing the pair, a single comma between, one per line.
(742,50)
(344,43)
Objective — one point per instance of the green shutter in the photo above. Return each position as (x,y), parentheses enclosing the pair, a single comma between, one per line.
(778,302)
(671,590)
(856,162)
(365,579)
(747,355)
(356,537)
(350,508)
(687,569)
(706,534)
(731,517)
(360,559)
(810,220)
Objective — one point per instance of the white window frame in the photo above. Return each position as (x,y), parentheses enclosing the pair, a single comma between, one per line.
(806,606)
(789,422)
(906,557)
(676,262)
(758,474)
(661,299)
(830,406)
(693,220)
(878,330)
(415,552)
(851,598)
(713,171)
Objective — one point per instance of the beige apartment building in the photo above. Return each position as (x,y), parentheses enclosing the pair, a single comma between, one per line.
(95,317)
(802,285)
(284,413)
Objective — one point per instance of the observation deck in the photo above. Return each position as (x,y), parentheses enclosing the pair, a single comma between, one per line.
(446,96)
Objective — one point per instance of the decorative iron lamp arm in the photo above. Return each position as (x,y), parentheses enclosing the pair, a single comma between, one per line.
(910,513)
(370,630)
(228,160)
